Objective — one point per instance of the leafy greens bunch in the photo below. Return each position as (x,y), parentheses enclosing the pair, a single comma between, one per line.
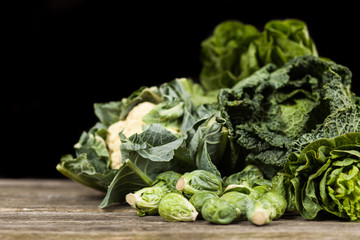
(173,127)
(271,128)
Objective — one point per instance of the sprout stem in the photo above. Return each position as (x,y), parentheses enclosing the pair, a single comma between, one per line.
(259,218)
(131,199)
(194,215)
(180,185)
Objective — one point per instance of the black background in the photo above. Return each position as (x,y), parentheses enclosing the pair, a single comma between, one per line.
(64,55)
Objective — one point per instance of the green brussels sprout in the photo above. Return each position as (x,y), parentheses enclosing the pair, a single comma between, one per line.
(146,200)
(199,198)
(169,179)
(199,180)
(238,188)
(239,200)
(259,191)
(281,183)
(271,205)
(248,177)
(219,211)
(257,213)
(174,207)
(262,182)
(277,201)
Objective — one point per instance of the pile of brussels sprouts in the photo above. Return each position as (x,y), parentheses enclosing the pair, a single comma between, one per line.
(199,194)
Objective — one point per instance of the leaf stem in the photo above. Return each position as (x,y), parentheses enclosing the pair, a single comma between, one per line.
(138,172)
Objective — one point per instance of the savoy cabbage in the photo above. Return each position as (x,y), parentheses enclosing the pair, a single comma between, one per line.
(277,111)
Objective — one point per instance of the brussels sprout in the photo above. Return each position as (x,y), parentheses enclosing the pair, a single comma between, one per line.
(174,207)
(146,200)
(257,213)
(281,183)
(269,206)
(239,200)
(248,176)
(238,188)
(199,198)
(219,211)
(259,191)
(262,182)
(199,180)
(169,179)
(277,201)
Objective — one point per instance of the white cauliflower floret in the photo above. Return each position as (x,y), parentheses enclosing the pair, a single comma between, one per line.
(131,125)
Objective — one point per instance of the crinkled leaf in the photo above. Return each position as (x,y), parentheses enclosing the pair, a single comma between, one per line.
(95,148)
(82,171)
(275,112)
(91,165)
(184,103)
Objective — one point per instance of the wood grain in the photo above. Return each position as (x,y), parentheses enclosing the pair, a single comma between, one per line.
(62,209)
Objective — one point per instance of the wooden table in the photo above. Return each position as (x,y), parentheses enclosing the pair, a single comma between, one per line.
(62,209)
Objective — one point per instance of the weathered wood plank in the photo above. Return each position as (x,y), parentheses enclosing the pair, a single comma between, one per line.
(62,209)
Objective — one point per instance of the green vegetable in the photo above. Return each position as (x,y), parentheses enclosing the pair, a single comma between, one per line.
(148,154)
(259,191)
(248,177)
(199,198)
(221,54)
(281,183)
(167,179)
(282,40)
(146,200)
(235,50)
(326,177)
(219,211)
(240,200)
(271,205)
(174,207)
(111,112)
(246,181)
(259,214)
(238,188)
(177,111)
(168,139)
(208,142)
(274,112)
(266,105)
(91,165)
(199,180)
